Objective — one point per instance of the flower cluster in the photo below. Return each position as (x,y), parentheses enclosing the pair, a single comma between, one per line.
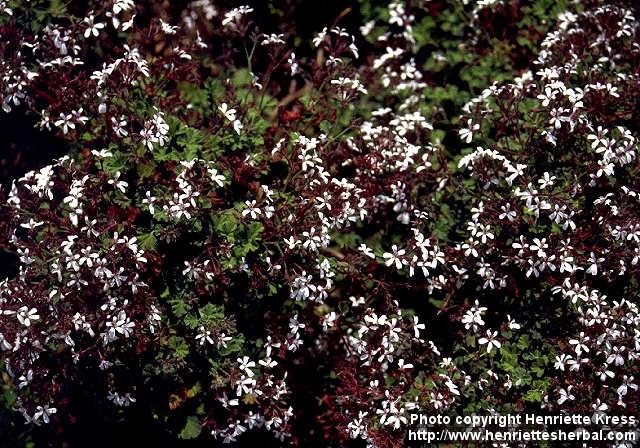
(558,197)
(81,295)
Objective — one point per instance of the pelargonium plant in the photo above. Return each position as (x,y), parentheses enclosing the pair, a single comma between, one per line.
(558,188)
(269,235)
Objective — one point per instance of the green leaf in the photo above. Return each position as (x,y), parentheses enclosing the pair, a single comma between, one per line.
(179,347)
(233,346)
(192,428)
(179,306)
(225,222)
(147,241)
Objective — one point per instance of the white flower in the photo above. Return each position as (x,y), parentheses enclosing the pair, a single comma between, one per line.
(566,395)
(301,288)
(121,400)
(237,126)
(204,336)
(473,317)
(291,242)
(402,365)
(490,340)
(251,209)
(417,327)
(507,212)
(580,343)
(102,153)
(354,49)
(26,316)
(391,414)
(558,117)
(627,383)
(32,224)
(150,201)
(168,29)
(92,28)
(599,406)
(317,40)
(245,364)
(155,130)
(65,122)
(393,257)
(216,178)
(25,379)
(119,324)
(466,134)
(547,96)
(229,114)
(358,427)
(232,17)
(222,341)
(226,402)
(595,261)
(272,39)
(312,241)
(512,324)
(365,250)
(43,412)
(546,180)
(293,65)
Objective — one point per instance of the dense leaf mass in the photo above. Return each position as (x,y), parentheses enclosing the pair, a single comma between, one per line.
(303,221)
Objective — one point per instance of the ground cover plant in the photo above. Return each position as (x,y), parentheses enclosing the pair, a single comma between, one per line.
(296,223)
